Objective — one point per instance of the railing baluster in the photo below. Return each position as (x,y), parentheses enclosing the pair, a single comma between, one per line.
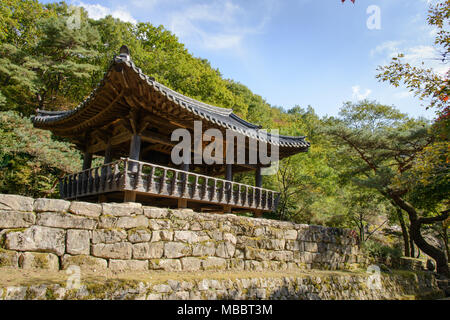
(244,197)
(185,188)
(174,182)
(111,177)
(61,188)
(238,200)
(80,183)
(228,192)
(214,190)
(195,188)
(116,174)
(89,181)
(264,199)
(138,177)
(163,187)
(150,179)
(96,180)
(70,186)
(204,188)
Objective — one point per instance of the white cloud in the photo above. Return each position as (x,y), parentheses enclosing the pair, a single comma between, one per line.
(358,95)
(211,24)
(404,94)
(388,48)
(413,55)
(218,24)
(97,11)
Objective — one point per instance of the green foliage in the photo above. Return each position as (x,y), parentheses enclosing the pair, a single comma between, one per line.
(378,147)
(380,252)
(429,177)
(427,174)
(425,83)
(30,160)
(46,64)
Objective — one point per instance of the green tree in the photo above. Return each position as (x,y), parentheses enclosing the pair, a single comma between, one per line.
(425,82)
(50,64)
(30,159)
(380,145)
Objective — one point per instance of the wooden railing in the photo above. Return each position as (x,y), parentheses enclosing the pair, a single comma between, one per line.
(130,175)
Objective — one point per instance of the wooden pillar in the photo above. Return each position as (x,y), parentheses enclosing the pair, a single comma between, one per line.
(87,160)
(108,159)
(182,203)
(135,150)
(135,147)
(229,172)
(258,177)
(108,154)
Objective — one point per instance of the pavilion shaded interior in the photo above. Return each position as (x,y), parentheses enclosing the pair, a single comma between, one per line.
(130,116)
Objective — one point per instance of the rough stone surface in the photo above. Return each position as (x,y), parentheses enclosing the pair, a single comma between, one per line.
(16,219)
(121,250)
(127,265)
(132,222)
(214,263)
(15,202)
(36,260)
(185,236)
(301,287)
(191,264)
(52,205)
(176,250)
(166,264)
(9,258)
(108,236)
(84,262)
(152,250)
(65,220)
(122,209)
(171,240)
(87,209)
(140,235)
(37,238)
(78,242)
(155,213)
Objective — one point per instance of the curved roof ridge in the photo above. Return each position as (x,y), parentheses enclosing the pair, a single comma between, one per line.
(223,117)
(124,58)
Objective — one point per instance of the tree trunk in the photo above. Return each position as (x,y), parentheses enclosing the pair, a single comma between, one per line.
(411,244)
(416,223)
(445,239)
(435,253)
(404,231)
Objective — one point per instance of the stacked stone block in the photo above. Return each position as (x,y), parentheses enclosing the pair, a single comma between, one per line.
(55,234)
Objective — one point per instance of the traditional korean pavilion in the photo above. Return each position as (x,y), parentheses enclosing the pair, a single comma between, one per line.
(129,119)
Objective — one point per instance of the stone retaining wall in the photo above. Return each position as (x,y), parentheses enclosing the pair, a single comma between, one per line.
(331,285)
(54,234)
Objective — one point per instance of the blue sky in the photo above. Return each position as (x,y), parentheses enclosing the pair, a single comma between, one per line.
(295,52)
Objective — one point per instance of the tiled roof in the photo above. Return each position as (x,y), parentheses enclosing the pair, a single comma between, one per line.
(220,116)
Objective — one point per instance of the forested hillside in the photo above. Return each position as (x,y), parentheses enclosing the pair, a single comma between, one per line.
(370,168)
